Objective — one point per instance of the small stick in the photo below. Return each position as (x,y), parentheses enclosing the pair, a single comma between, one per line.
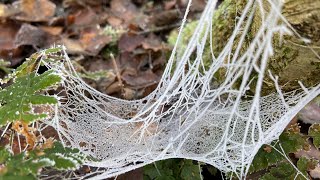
(158,29)
(117,72)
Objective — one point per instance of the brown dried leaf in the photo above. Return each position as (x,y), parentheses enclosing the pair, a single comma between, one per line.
(315,173)
(128,13)
(7,10)
(8,32)
(94,40)
(169,4)
(31,35)
(53,30)
(73,46)
(115,22)
(153,43)
(141,20)
(83,3)
(165,17)
(129,94)
(28,132)
(148,129)
(8,50)
(113,88)
(129,43)
(136,174)
(197,5)
(34,10)
(124,9)
(86,17)
(91,41)
(14,55)
(141,79)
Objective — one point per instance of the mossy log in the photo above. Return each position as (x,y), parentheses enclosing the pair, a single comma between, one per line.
(294,60)
(302,61)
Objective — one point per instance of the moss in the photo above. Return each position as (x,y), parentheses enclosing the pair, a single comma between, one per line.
(293,61)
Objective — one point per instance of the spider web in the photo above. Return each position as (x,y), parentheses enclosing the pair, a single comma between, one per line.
(188,115)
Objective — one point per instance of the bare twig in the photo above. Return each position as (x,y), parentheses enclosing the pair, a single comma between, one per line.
(117,73)
(158,29)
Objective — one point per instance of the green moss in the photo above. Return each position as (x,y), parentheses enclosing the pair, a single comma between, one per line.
(293,61)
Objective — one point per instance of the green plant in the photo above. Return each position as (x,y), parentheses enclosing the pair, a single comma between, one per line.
(28,164)
(3,66)
(19,98)
(23,93)
(172,169)
(271,163)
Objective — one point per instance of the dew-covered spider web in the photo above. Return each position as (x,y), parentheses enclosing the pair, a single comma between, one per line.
(189,115)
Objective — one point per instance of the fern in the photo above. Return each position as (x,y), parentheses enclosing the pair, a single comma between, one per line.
(17,100)
(29,164)
(23,92)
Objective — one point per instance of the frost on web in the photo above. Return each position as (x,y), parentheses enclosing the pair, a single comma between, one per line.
(189,115)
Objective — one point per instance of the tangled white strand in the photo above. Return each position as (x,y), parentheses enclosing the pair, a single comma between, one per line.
(186,116)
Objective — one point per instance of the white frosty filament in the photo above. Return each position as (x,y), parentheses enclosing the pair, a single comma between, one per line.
(186,116)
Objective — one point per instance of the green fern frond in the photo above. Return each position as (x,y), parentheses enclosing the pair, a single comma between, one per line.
(18,99)
(29,164)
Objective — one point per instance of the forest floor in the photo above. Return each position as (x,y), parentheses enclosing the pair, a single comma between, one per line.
(119,46)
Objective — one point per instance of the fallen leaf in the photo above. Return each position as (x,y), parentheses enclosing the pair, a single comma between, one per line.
(129,94)
(7,10)
(8,50)
(114,88)
(8,31)
(86,17)
(124,9)
(142,20)
(115,22)
(140,79)
(106,82)
(169,4)
(34,10)
(83,3)
(15,56)
(198,5)
(73,46)
(94,39)
(152,42)
(129,43)
(53,30)
(134,174)
(315,173)
(31,35)
(91,41)
(166,17)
